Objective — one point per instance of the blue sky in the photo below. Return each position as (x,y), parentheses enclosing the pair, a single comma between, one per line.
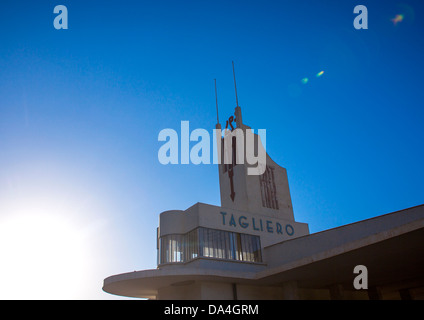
(81,110)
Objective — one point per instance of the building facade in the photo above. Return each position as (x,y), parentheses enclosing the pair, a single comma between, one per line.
(251,247)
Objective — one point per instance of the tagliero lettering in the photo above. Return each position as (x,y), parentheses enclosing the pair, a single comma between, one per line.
(242,142)
(256,224)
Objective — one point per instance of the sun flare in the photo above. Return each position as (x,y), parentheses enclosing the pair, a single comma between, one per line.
(41,254)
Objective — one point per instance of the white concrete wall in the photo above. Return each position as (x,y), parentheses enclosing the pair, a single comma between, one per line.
(271,230)
(248,192)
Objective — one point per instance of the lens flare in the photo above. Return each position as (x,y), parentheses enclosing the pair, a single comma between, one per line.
(398,18)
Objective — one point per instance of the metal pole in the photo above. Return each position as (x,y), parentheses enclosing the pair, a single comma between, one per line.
(235,85)
(216,99)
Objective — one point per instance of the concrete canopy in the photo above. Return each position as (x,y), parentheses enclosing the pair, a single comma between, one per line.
(390,246)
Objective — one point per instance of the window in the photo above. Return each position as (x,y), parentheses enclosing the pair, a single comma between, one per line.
(212,243)
(268,190)
(171,248)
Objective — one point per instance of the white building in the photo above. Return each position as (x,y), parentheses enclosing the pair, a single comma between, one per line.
(251,247)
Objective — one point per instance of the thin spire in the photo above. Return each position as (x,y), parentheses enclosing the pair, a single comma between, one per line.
(216,99)
(235,85)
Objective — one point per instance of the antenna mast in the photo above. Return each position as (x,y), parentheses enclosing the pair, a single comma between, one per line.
(235,85)
(216,100)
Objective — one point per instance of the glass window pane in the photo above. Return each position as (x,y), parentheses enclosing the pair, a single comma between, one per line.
(201,242)
(212,243)
(227,246)
(239,248)
(249,241)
